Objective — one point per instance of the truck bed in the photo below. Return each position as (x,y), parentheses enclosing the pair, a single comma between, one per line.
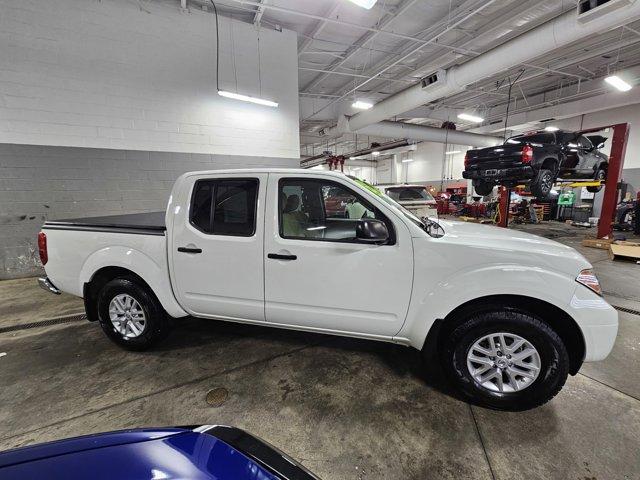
(152,223)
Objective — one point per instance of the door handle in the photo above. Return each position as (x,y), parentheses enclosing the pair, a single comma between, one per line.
(277,256)
(189,250)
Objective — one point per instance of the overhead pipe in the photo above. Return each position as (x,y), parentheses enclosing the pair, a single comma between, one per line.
(552,35)
(320,159)
(429,134)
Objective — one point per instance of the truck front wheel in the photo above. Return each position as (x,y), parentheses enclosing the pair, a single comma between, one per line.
(130,315)
(506,359)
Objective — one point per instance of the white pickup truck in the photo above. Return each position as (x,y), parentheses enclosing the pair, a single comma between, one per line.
(508,314)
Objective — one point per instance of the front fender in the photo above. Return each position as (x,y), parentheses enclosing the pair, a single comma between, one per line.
(431,302)
(156,275)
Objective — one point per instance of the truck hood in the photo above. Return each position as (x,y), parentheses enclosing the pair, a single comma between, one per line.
(501,245)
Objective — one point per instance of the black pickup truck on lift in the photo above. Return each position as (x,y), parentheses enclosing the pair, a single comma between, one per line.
(537,159)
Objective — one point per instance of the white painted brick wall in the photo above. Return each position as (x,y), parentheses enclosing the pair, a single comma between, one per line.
(141,76)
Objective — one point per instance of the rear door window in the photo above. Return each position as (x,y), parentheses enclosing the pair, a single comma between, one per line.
(225,206)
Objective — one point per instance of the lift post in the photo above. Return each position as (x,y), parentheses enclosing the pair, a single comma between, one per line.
(503,206)
(614,175)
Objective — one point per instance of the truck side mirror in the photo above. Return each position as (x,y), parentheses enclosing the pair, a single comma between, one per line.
(370,230)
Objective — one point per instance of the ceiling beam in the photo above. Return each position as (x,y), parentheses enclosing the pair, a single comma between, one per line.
(347,74)
(360,42)
(319,26)
(433,38)
(259,12)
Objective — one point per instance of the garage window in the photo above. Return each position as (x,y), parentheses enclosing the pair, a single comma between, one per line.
(225,206)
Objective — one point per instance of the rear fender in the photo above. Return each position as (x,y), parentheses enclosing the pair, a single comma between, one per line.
(155,275)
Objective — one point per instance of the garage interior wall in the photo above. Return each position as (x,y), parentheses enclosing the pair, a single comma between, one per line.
(104,103)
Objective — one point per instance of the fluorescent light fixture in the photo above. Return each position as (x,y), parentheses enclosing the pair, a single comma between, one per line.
(470,118)
(368,4)
(375,153)
(361,105)
(352,158)
(452,152)
(246,98)
(407,160)
(551,128)
(617,82)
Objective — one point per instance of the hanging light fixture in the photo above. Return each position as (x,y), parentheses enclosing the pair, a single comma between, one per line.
(617,82)
(246,98)
(362,105)
(232,95)
(470,118)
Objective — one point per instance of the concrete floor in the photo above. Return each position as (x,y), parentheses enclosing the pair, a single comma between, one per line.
(345,408)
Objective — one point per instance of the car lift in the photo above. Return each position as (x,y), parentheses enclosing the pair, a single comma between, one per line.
(614,175)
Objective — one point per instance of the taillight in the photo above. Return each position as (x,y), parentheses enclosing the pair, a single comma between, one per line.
(527,154)
(466,160)
(42,248)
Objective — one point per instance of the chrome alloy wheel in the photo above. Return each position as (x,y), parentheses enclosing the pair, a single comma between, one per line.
(127,316)
(503,362)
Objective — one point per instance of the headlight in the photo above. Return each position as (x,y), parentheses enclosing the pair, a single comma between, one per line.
(589,280)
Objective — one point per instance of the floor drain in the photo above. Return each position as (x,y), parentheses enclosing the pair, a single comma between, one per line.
(217,396)
(45,323)
(626,310)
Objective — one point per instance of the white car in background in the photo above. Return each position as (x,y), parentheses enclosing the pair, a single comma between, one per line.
(415,198)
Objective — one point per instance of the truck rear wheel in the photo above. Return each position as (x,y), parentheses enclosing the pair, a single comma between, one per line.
(506,359)
(542,184)
(130,315)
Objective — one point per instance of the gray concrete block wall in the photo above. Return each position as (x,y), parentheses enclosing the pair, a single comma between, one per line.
(38,183)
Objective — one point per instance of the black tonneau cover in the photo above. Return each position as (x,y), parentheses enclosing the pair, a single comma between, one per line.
(142,223)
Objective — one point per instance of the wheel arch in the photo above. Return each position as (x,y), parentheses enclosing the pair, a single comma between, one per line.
(121,260)
(559,320)
(99,279)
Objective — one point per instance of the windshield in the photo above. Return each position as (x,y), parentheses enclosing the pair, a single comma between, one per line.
(402,194)
(539,138)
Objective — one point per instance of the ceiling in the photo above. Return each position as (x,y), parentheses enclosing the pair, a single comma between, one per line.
(346,52)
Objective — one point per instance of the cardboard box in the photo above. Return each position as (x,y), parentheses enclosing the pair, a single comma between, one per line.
(629,250)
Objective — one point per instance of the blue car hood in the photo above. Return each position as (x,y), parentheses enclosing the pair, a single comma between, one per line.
(150,454)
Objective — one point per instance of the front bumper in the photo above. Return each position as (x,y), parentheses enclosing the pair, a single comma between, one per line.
(498,175)
(598,321)
(47,285)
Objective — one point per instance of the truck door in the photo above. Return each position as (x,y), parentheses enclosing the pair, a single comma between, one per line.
(216,249)
(317,275)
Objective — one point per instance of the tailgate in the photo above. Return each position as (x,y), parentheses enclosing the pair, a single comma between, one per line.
(494,157)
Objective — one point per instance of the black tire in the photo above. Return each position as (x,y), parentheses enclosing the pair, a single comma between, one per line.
(157,323)
(542,183)
(482,188)
(554,360)
(601,174)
